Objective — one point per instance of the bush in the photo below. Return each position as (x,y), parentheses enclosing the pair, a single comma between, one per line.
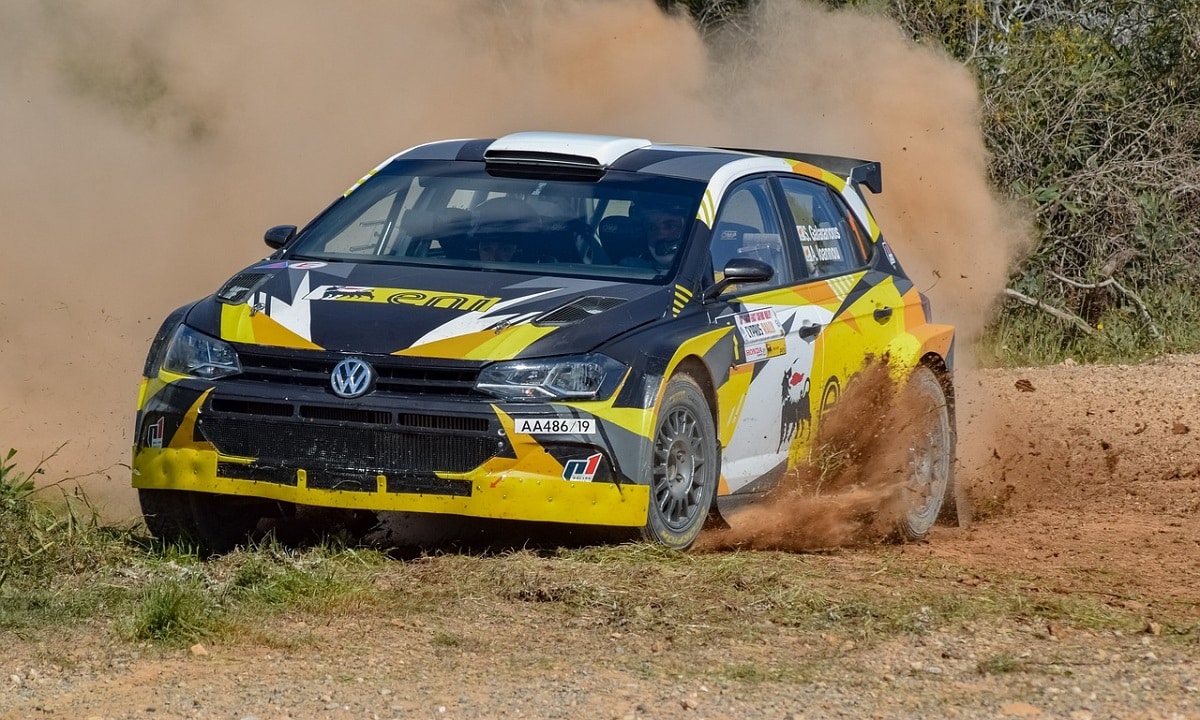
(1089,115)
(1088,111)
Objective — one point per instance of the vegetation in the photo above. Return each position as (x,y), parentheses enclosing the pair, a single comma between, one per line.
(60,571)
(1089,113)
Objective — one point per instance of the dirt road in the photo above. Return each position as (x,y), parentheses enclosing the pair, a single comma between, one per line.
(1086,484)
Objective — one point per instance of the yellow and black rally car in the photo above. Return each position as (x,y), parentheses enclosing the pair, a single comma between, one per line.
(549,327)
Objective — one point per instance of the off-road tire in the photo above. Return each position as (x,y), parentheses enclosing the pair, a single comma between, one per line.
(930,493)
(209,523)
(683,465)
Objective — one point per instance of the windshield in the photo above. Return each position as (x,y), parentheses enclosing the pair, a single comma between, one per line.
(623,226)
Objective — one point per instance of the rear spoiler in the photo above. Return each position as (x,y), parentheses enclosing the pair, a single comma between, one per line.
(859,172)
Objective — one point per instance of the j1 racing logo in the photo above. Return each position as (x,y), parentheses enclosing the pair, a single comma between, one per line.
(155,432)
(583,470)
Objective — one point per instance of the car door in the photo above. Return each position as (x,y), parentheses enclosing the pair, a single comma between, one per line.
(766,405)
(863,306)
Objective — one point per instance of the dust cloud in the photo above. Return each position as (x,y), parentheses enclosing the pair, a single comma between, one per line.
(149,144)
(854,489)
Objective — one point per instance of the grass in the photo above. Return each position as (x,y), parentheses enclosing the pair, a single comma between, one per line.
(60,571)
(1023,336)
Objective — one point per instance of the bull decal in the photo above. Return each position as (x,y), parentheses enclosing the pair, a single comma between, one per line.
(342,292)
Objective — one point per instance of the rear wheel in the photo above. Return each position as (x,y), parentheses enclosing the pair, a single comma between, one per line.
(929,492)
(213,523)
(683,465)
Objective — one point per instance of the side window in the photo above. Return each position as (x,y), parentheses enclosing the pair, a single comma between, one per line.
(747,226)
(829,240)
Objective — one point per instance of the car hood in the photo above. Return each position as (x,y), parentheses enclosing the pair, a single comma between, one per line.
(423,311)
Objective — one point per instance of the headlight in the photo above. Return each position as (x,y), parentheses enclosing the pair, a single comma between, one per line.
(198,355)
(586,377)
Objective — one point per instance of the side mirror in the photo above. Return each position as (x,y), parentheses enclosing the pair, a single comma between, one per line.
(740,270)
(279,236)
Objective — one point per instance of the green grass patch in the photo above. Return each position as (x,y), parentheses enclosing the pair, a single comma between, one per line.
(62,568)
(175,611)
(1023,336)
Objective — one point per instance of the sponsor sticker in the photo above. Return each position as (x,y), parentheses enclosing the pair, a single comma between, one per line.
(155,432)
(758,325)
(582,470)
(404,296)
(767,350)
(555,426)
(887,250)
(307,265)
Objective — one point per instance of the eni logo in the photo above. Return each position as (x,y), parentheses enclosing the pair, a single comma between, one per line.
(463,302)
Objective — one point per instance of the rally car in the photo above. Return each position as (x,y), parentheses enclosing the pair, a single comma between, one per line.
(544,326)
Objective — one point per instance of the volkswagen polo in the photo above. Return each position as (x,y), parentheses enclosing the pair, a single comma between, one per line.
(547,327)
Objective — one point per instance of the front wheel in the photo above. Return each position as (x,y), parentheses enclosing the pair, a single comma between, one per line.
(929,491)
(212,523)
(683,466)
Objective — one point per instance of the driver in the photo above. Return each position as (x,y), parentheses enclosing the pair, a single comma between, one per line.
(663,227)
(502,226)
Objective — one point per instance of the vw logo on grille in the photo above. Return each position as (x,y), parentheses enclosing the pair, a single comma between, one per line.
(351,378)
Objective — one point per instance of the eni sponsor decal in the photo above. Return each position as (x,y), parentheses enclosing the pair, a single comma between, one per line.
(404,296)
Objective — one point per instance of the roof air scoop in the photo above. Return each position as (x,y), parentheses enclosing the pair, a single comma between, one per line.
(561,150)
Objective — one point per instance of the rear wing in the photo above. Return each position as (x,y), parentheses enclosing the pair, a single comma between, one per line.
(858,172)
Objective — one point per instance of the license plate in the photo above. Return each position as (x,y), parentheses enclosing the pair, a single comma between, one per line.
(555,426)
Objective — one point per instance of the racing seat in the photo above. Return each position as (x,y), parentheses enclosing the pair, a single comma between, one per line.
(443,232)
(618,234)
(727,242)
(452,230)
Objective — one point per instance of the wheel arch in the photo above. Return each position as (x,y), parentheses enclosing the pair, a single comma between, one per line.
(957,508)
(941,369)
(696,368)
(700,372)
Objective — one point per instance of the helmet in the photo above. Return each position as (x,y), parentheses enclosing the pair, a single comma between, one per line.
(664,224)
(505,222)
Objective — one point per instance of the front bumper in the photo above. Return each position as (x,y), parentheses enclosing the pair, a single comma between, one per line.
(507,495)
(390,452)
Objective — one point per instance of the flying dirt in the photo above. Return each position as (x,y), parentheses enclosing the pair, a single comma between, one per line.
(152,143)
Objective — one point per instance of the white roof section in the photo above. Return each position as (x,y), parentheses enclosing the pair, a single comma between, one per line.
(604,149)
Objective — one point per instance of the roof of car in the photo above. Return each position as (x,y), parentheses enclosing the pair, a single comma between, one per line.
(599,153)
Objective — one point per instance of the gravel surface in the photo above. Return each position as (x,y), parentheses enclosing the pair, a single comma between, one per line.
(1086,481)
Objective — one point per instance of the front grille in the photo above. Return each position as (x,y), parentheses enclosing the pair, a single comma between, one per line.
(360,481)
(443,422)
(375,448)
(252,407)
(396,374)
(334,414)
(340,415)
